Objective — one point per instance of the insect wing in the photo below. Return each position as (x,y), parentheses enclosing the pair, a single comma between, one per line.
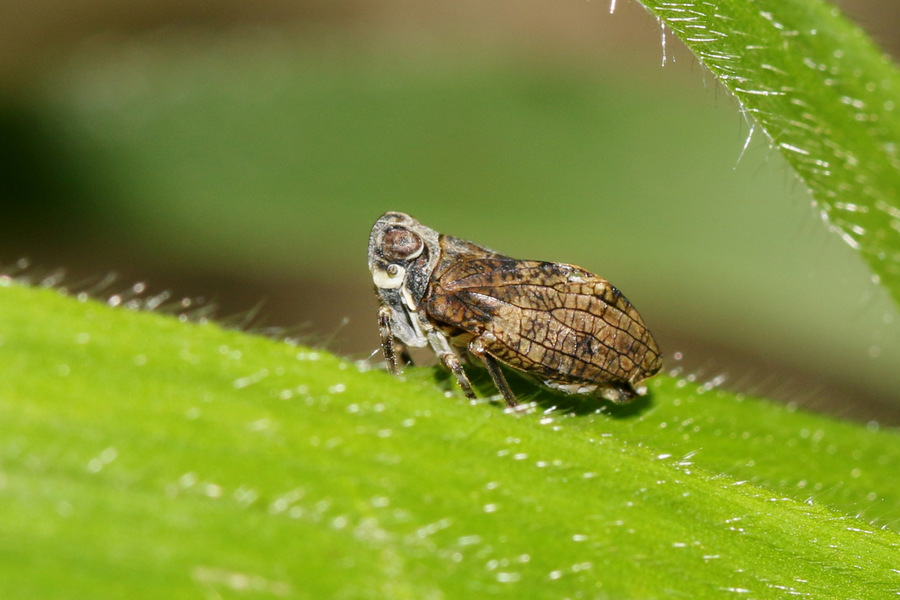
(554,320)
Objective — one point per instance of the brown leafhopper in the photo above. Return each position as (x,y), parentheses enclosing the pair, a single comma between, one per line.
(567,327)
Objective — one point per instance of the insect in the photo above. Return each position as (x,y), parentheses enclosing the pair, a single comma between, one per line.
(569,328)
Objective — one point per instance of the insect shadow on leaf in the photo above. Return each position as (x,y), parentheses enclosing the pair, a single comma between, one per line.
(532,398)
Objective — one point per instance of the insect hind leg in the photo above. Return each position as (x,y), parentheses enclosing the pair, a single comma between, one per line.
(493,368)
(619,392)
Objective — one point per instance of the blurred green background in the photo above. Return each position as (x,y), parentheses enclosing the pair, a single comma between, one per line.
(241,153)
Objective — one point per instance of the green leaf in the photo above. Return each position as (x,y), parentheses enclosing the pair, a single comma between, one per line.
(146,457)
(825,96)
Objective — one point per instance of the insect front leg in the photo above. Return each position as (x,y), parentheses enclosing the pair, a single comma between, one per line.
(451,361)
(389,345)
(476,347)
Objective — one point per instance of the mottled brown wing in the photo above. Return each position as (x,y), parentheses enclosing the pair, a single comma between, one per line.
(554,320)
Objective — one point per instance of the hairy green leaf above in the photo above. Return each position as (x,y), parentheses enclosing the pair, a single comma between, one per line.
(826,97)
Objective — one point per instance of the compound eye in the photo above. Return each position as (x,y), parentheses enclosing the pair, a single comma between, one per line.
(400,243)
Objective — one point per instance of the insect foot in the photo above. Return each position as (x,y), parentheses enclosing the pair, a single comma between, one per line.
(567,327)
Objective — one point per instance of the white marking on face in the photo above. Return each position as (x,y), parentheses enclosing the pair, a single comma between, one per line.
(390,279)
(408,299)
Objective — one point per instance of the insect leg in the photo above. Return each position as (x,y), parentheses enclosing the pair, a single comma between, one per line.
(620,393)
(499,380)
(451,361)
(387,338)
(404,355)
(493,367)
